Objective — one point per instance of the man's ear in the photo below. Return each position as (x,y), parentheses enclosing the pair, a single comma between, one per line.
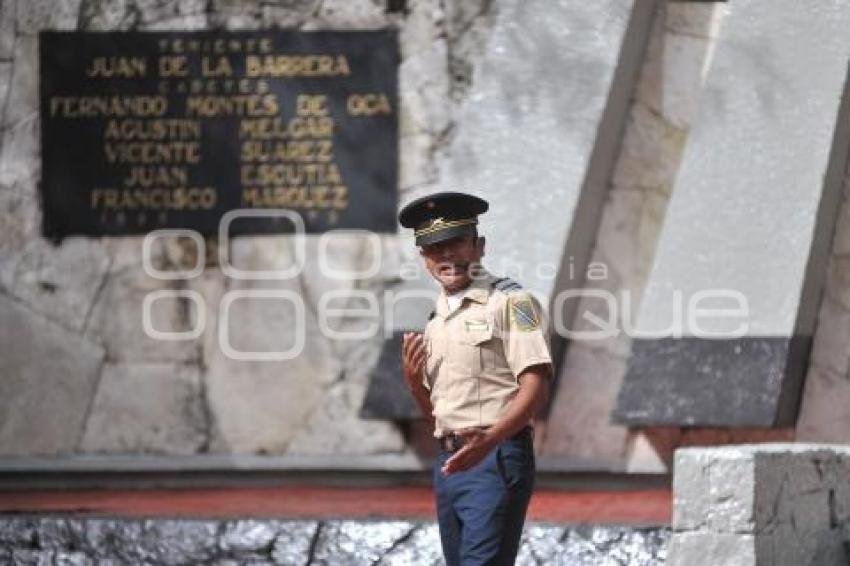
(480,245)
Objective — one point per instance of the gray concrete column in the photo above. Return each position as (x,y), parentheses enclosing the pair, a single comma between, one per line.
(540,130)
(724,330)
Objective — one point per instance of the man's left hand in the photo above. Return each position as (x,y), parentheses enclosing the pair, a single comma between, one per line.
(477,445)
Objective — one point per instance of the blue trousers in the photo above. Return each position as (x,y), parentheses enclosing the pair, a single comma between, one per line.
(481,510)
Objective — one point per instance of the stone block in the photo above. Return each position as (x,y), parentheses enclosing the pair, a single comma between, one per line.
(541,545)
(417,166)
(17,532)
(190,22)
(19,161)
(838,277)
(345,14)
(424,25)
(602,544)
(790,547)
(259,406)
(147,408)
(578,424)
(293,542)
(236,15)
(831,344)
(62,283)
(841,241)
(691,497)
(117,540)
(424,89)
(616,245)
(699,382)
(354,542)
(155,10)
(422,547)
(336,264)
(469,27)
(687,549)
(6,78)
(335,427)
(22,102)
(288,14)
(58,534)
(841,508)
(32,557)
(806,474)
(651,152)
(731,494)
(49,378)
(36,15)
(117,321)
(244,538)
(7,30)
(108,15)
(811,513)
(178,541)
(676,63)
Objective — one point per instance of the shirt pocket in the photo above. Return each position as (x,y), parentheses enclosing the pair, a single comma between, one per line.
(476,332)
(474,341)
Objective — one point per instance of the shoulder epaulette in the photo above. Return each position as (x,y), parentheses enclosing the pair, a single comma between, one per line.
(506,285)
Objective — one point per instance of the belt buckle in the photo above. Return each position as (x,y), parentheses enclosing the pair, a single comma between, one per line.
(453,442)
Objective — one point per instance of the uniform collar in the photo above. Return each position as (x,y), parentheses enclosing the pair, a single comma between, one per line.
(478,291)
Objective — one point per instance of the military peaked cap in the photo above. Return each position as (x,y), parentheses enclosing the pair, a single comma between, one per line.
(441,216)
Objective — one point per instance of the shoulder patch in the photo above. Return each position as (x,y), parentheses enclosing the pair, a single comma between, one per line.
(524,316)
(506,285)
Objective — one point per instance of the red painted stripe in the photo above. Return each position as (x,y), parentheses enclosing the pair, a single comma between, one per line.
(597,507)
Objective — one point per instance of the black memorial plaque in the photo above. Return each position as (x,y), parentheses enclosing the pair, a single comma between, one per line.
(142,131)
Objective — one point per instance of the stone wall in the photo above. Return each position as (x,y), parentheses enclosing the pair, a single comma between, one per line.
(81,377)
(122,392)
(44,540)
(769,504)
(76,360)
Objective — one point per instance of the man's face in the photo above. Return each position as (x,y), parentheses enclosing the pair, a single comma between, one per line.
(454,262)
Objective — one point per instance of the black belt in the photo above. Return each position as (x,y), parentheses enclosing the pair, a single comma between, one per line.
(452,442)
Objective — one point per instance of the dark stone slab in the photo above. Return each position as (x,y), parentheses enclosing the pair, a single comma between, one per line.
(387,396)
(742,382)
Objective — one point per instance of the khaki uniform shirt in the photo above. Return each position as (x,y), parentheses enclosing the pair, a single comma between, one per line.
(476,352)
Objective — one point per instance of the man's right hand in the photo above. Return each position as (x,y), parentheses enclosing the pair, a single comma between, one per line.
(413,356)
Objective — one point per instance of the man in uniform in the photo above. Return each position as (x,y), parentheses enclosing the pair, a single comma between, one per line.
(479,373)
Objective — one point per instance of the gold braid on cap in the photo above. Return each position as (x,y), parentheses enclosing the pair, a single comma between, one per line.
(439,224)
